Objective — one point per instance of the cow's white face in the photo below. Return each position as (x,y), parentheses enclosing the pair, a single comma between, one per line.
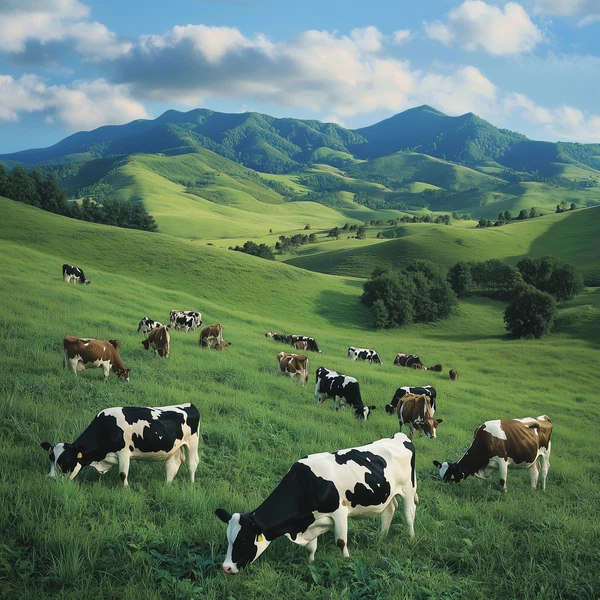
(245,542)
(64,459)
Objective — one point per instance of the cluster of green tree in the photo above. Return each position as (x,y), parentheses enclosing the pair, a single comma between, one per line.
(44,192)
(418,294)
(533,288)
(564,206)
(289,244)
(461,216)
(260,250)
(558,181)
(505,217)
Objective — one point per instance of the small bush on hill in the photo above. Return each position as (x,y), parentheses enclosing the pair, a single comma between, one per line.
(260,250)
(530,314)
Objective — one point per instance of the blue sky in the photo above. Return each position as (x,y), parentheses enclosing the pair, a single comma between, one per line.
(69,65)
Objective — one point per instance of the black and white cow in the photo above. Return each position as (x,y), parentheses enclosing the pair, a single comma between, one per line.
(366,354)
(147,324)
(121,434)
(402,391)
(311,343)
(188,320)
(73,274)
(343,389)
(320,492)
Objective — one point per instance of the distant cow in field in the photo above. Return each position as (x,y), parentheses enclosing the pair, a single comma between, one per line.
(311,343)
(412,361)
(320,492)
(160,340)
(188,320)
(211,336)
(402,391)
(343,389)
(453,374)
(365,354)
(503,444)
(293,364)
(280,337)
(80,353)
(301,345)
(436,368)
(121,434)
(417,412)
(73,274)
(147,324)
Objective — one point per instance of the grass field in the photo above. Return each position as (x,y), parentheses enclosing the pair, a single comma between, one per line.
(90,538)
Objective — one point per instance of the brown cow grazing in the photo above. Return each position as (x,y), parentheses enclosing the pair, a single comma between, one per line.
(409,360)
(303,345)
(80,353)
(500,444)
(222,345)
(417,412)
(160,340)
(453,374)
(211,336)
(436,368)
(294,364)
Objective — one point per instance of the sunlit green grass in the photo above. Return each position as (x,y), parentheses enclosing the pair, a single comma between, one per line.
(91,538)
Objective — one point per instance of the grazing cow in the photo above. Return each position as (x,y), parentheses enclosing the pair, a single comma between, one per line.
(301,345)
(211,336)
(280,337)
(160,340)
(293,364)
(185,319)
(343,389)
(453,374)
(73,274)
(80,353)
(311,343)
(364,354)
(121,434)
(147,325)
(402,391)
(501,444)
(436,368)
(417,412)
(409,360)
(222,345)
(319,492)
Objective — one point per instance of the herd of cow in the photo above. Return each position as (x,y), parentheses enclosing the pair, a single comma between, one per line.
(319,492)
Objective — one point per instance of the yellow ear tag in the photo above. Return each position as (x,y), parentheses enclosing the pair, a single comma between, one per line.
(452,477)
(79,455)
(260,538)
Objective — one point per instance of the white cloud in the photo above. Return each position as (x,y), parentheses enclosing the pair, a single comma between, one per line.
(476,25)
(401,36)
(81,105)
(367,38)
(587,10)
(23,22)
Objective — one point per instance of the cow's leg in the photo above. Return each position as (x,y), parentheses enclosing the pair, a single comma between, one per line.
(124,460)
(312,548)
(545,465)
(387,516)
(534,473)
(409,506)
(106,368)
(73,362)
(340,530)
(192,456)
(172,464)
(503,473)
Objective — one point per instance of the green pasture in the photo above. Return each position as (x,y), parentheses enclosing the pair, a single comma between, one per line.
(90,538)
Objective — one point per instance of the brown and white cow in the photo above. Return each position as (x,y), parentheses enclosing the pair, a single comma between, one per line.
(409,360)
(503,444)
(302,345)
(80,353)
(294,364)
(160,340)
(211,336)
(453,374)
(417,412)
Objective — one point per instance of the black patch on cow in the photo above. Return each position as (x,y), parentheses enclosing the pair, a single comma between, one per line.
(102,436)
(244,549)
(341,544)
(122,476)
(289,508)
(413,475)
(160,434)
(193,418)
(131,448)
(377,489)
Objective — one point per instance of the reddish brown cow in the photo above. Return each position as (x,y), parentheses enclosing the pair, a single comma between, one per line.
(453,374)
(80,353)
(417,412)
(160,340)
(293,364)
(211,336)
(436,368)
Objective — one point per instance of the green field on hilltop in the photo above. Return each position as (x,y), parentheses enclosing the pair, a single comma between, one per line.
(90,538)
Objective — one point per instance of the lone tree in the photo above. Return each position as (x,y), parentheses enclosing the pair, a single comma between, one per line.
(530,314)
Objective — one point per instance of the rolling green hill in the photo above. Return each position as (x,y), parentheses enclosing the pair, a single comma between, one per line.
(90,538)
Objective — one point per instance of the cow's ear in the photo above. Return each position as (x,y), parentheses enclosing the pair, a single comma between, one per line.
(372,407)
(47,446)
(223,515)
(438,421)
(437,463)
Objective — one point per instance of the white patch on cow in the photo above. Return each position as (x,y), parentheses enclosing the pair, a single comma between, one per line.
(54,468)
(494,428)
(155,414)
(86,344)
(443,469)
(107,463)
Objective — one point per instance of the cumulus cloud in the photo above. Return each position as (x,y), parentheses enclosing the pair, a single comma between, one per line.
(476,25)
(46,22)
(401,36)
(587,10)
(81,105)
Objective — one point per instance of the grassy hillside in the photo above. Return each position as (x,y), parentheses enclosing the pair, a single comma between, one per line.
(90,538)
(570,236)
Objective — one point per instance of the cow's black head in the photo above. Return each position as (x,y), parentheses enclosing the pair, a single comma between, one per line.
(449,471)
(245,540)
(64,456)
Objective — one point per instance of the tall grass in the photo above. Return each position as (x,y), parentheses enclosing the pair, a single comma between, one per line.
(91,538)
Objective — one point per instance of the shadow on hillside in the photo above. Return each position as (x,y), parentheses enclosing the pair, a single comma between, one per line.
(461,337)
(343,309)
